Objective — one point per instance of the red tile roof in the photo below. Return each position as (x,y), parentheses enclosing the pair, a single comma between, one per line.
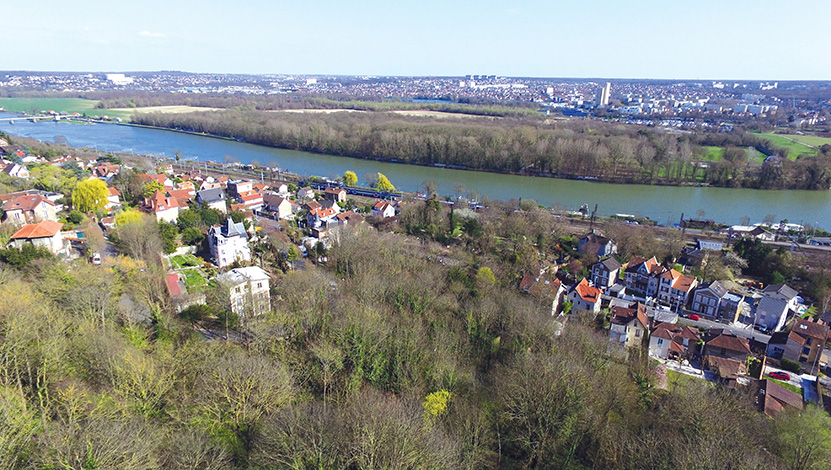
(47,228)
(172,281)
(587,292)
(26,203)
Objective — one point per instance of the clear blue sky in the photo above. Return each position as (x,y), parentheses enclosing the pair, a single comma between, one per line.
(740,39)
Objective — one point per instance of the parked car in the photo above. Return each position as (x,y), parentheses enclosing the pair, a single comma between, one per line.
(96,259)
(780,375)
(694,317)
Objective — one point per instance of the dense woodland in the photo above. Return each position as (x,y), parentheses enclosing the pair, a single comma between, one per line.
(383,357)
(607,151)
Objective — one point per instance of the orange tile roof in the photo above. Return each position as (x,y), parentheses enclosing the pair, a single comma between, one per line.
(587,292)
(47,228)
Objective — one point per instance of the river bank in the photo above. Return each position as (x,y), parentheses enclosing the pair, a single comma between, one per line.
(663,204)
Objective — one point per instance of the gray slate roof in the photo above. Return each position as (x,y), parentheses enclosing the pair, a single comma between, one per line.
(211,195)
(783,290)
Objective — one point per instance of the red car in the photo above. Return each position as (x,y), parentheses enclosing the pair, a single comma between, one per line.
(693,317)
(780,375)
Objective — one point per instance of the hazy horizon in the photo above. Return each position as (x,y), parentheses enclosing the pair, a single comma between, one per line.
(646,40)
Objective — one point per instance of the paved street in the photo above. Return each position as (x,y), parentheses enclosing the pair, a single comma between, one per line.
(739,329)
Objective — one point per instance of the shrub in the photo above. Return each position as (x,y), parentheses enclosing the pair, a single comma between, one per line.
(791,366)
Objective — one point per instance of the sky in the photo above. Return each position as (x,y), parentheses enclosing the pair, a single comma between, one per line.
(703,39)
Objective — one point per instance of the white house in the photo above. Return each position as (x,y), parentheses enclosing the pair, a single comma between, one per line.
(45,234)
(165,207)
(771,313)
(584,297)
(383,209)
(214,198)
(248,290)
(628,325)
(229,243)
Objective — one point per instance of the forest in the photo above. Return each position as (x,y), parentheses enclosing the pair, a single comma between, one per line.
(398,352)
(570,149)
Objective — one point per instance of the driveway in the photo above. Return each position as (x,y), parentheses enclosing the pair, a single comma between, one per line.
(796,379)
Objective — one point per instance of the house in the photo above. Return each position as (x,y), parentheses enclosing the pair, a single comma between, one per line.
(674,288)
(282,189)
(670,341)
(783,292)
(182,196)
(105,170)
(45,234)
(605,273)
(350,218)
(318,218)
(804,343)
(186,186)
(165,208)
(383,210)
(771,398)
(584,297)
(161,179)
(16,170)
(335,194)
(771,313)
(597,245)
(305,193)
(544,289)
(248,290)
(113,198)
(214,198)
(628,325)
(728,372)
(239,187)
(32,209)
(723,343)
(640,276)
(279,205)
(229,243)
(11,150)
(713,300)
(744,231)
(210,183)
(250,200)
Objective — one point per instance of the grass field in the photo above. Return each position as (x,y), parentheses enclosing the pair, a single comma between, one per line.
(183,261)
(712,153)
(59,105)
(83,106)
(715,154)
(194,278)
(795,149)
(161,109)
(811,140)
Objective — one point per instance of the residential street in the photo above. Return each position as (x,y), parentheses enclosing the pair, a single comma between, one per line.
(739,329)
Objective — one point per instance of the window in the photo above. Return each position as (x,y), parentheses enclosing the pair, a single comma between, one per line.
(660,342)
(806,350)
(808,341)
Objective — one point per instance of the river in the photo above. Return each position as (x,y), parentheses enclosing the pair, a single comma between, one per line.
(662,203)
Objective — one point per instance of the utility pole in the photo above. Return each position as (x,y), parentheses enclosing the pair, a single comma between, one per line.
(591,222)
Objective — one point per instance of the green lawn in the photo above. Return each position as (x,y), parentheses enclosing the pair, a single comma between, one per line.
(794,148)
(679,379)
(787,385)
(183,261)
(812,140)
(712,153)
(194,279)
(59,105)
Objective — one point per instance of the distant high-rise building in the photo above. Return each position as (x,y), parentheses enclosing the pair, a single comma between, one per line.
(604,95)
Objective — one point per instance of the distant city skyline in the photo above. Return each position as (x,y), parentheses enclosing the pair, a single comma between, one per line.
(650,39)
